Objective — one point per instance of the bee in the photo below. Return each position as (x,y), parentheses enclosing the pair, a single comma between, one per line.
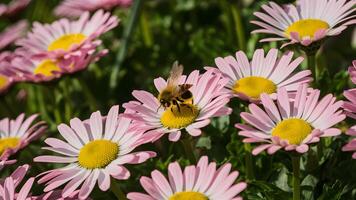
(175,94)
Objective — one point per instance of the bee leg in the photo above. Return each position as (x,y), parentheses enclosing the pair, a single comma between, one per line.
(158,107)
(178,107)
(180,100)
(176,104)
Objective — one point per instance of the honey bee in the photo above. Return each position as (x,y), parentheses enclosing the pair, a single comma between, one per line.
(175,94)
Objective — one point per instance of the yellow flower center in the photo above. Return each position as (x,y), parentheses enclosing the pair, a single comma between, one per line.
(46,68)
(188,196)
(173,117)
(65,42)
(306,27)
(6,143)
(293,130)
(254,86)
(98,154)
(3,81)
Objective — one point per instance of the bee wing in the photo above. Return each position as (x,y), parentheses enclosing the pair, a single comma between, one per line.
(183,88)
(175,74)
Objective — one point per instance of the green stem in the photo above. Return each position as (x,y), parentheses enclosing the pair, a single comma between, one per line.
(89,96)
(239,28)
(31,91)
(126,37)
(189,150)
(68,100)
(312,67)
(226,19)
(320,148)
(145,28)
(247,146)
(296,177)
(56,110)
(42,104)
(248,162)
(115,188)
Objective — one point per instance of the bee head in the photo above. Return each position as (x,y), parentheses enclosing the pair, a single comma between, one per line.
(165,103)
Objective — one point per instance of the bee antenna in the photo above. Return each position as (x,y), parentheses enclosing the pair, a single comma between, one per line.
(158,107)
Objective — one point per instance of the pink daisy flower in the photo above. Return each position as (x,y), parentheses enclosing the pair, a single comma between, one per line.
(352,72)
(350,106)
(95,150)
(17,134)
(9,185)
(7,76)
(64,38)
(7,56)
(74,8)
(208,97)
(351,146)
(13,7)
(12,33)
(307,21)
(264,74)
(350,109)
(57,195)
(39,70)
(291,124)
(199,182)
(3,163)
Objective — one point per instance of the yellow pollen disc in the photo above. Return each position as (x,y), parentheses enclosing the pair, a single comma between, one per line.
(65,42)
(98,154)
(3,81)
(306,27)
(46,68)
(254,86)
(188,196)
(6,143)
(179,119)
(293,130)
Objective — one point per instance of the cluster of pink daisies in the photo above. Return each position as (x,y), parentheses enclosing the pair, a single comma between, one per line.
(284,111)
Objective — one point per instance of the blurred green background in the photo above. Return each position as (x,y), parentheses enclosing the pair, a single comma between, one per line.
(194,32)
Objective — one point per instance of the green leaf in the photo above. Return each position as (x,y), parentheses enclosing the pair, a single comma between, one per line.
(204,142)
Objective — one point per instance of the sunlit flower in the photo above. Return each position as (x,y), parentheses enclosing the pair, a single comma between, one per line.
(7,77)
(201,182)
(264,74)
(74,8)
(39,70)
(3,163)
(9,185)
(208,101)
(13,7)
(12,33)
(95,150)
(291,124)
(64,38)
(17,134)
(307,21)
